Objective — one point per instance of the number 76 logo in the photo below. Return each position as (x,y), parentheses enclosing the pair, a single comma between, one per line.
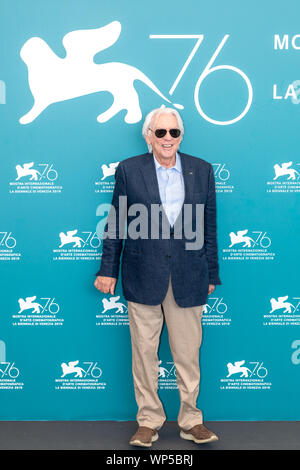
(208,70)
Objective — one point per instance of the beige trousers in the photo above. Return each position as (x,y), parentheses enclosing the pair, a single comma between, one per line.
(185,335)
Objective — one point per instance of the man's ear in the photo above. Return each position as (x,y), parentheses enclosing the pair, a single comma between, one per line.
(147,138)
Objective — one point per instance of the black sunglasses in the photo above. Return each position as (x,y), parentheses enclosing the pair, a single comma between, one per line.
(162,132)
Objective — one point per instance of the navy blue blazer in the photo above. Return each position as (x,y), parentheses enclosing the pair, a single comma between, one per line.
(146,262)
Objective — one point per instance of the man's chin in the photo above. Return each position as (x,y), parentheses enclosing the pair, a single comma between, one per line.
(168,153)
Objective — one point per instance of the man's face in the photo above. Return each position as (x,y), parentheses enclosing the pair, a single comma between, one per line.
(166,147)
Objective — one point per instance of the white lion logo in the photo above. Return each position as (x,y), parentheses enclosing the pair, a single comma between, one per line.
(109,170)
(71,369)
(239,237)
(53,79)
(237,369)
(69,238)
(28,304)
(112,304)
(285,170)
(281,303)
(27,170)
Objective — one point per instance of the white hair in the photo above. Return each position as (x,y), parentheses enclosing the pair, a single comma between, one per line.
(154,114)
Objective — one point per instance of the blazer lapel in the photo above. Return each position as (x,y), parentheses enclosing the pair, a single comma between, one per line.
(148,171)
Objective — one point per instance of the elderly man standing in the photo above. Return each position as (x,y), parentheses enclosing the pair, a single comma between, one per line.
(168,268)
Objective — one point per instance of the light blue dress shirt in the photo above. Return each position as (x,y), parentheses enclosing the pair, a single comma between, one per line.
(171,188)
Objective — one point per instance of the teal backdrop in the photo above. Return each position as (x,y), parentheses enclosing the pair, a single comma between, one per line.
(234,69)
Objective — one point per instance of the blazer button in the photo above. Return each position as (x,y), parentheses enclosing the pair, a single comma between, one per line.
(168,256)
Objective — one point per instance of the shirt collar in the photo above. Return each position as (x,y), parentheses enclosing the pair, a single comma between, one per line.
(177,165)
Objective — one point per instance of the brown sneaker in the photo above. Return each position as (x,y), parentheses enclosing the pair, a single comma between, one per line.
(144,437)
(199,434)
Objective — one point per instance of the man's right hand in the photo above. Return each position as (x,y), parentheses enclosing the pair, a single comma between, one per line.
(105,284)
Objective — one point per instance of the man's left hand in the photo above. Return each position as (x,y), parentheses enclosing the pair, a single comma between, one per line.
(211,288)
